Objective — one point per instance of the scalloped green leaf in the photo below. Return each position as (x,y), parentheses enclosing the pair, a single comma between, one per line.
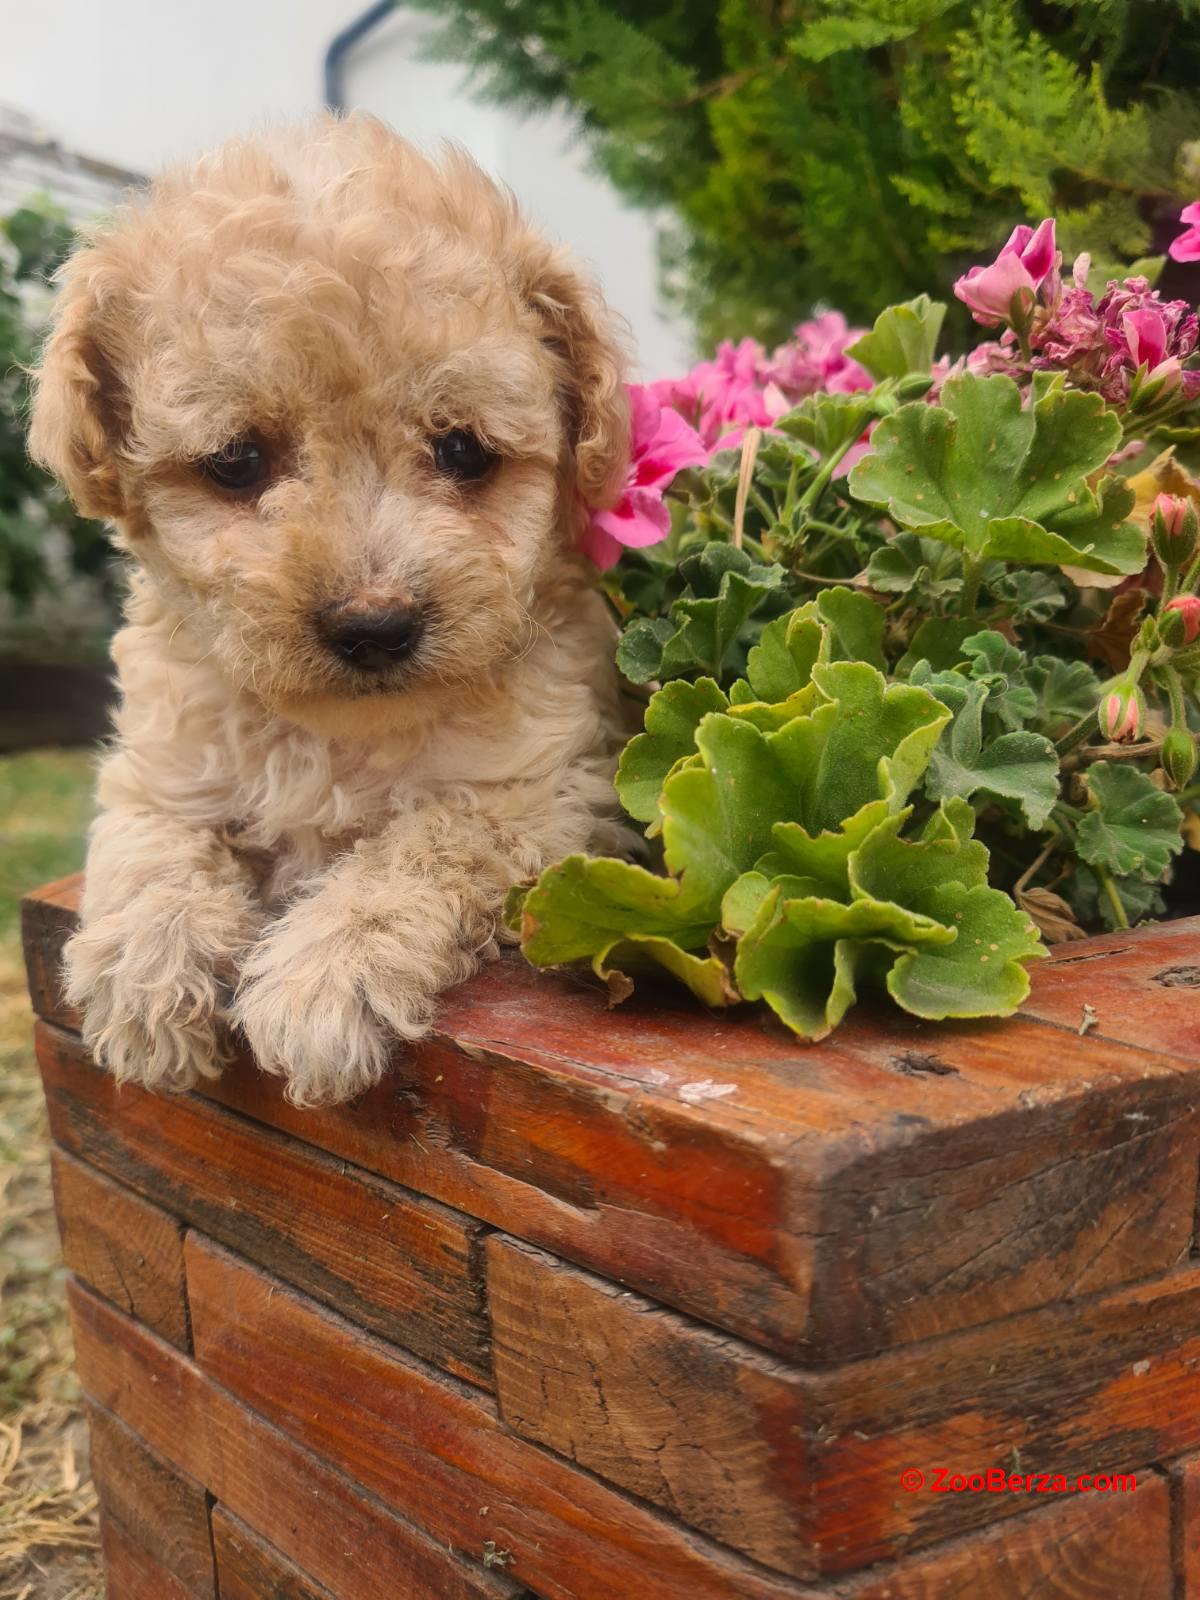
(1134,829)
(888,867)
(854,629)
(1064,692)
(640,651)
(1001,667)
(672,717)
(822,860)
(996,480)
(909,564)
(801,955)
(828,422)
(781,662)
(581,907)
(903,339)
(982,974)
(1021,767)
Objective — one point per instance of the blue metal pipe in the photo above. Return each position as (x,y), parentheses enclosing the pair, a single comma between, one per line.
(342,44)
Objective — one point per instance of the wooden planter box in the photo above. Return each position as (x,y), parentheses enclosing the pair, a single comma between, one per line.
(601,1305)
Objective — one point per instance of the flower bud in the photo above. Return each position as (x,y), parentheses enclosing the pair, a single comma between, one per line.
(1187,608)
(1178,756)
(1121,711)
(1175,528)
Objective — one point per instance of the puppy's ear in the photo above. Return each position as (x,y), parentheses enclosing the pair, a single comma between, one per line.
(582,331)
(77,416)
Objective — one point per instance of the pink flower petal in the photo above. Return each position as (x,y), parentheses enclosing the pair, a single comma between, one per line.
(1147,336)
(988,291)
(1040,255)
(1187,246)
(1191,213)
(639,520)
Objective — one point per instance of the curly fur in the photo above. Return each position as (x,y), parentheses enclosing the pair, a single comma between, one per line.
(317,855)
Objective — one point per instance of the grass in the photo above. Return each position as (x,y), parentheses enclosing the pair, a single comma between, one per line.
(48,1532)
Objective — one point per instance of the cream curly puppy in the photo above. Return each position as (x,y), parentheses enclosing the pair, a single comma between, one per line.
(344,408)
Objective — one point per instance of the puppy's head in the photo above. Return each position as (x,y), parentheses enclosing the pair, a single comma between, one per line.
(344,407)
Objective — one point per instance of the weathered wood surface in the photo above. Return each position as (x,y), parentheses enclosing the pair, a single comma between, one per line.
(899,1182)
(401,1265)
(130,1251)
(162,1512)
(262,1476)
(250,1570)
(737,1288)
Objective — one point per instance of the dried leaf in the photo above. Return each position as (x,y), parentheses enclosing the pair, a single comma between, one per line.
(1052,915)
(1111,639)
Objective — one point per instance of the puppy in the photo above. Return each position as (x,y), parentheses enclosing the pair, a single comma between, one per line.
(344,410)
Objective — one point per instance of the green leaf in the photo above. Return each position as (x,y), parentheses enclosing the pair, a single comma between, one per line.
(1030,596)
(828,422)
(672,717)
(782,661)
(744,897)
(709,629)
(981,973)
(583,906)
(855,626)
(640,652)
(943,876)
(801,956)
(707,977)
(1090,903)
(1002,482)
(903,339)
(1000,666)
(1021,767)
(1065,692)
(938,642)
(822,861)
(1134,829)
(908,564)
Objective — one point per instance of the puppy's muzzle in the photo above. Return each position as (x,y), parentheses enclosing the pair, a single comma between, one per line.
(371,637)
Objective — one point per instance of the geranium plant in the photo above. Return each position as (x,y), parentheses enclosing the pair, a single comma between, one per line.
(921,642)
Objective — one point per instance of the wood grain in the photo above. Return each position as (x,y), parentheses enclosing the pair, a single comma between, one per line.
(250,1570)
(1087,1547)
(133,1573)
(264,1478)
(129,1251)
(1185,1489)
(48,919)
(440,1453)
(673,1412)
(902,1181)
(401,1265)
(164,1513)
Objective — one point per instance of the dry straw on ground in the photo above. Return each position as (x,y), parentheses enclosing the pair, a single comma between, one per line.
(48,1530)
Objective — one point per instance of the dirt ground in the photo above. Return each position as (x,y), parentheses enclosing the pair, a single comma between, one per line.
(48,1531)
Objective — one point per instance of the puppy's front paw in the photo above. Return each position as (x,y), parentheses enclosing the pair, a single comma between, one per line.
(149,1012)
(316,1009)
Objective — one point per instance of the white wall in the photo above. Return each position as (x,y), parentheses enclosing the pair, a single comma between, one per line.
(137,82)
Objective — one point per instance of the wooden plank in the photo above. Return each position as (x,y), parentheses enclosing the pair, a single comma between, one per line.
(901,1181)
(129,1251)
(260,1475)
(440,1453)
(164,1513)
(1087,1547)
(132,1573)
(399,1264)
(1104,1386)
(48,919)
(1143,988)
(250,1570)
(1185,1489)
(707,1428)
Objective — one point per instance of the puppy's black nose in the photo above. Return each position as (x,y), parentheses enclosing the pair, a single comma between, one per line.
(371,638)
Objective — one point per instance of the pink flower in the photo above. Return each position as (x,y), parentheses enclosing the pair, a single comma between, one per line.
(662,445)
(1188,605)
(815,358)
(1145,335)
(1187,246)
(1025,262)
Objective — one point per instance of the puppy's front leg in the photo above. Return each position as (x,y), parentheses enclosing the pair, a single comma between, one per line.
(167,912)
(358,961)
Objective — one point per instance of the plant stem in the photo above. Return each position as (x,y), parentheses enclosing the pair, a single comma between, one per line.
(1114,899)
(1083,729)
(824,474)
(972,579)
(1175,694)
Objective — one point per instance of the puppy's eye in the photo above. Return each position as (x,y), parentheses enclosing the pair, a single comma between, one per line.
(459,455)
(239,467)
